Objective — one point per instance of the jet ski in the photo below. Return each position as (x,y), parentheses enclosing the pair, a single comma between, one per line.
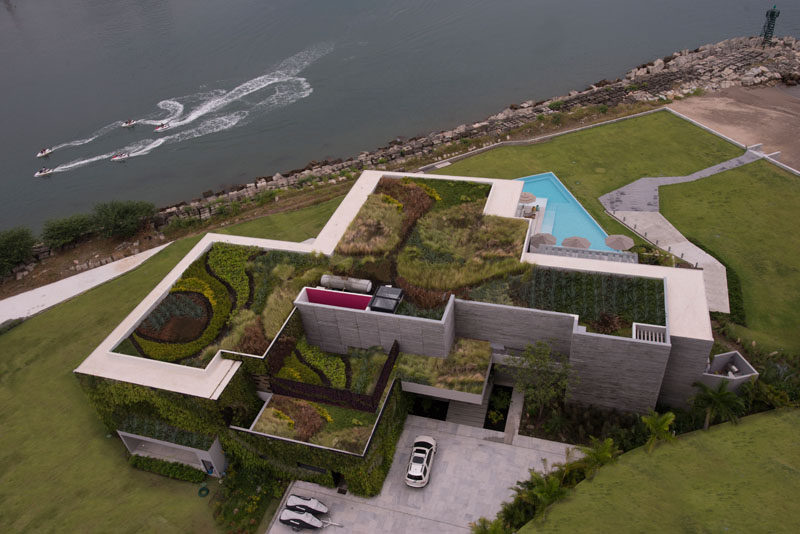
(161,127)
(122,156)
(44,171)
(129,123)
(44,152)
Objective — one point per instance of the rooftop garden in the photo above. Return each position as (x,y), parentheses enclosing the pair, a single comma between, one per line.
(605,303)
(317,423)
(464,369)
(232,298)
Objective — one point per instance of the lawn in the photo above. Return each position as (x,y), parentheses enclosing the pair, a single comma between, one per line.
(593,162)
(748,217)
(729,479)
(58,471)
(304,222)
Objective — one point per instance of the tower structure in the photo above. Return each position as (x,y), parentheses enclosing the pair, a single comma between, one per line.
(769,25)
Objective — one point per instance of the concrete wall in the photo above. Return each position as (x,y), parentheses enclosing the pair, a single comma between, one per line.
(337,329)
(747,371)
(512,326)
(687,363)
(172,452)
(616,372)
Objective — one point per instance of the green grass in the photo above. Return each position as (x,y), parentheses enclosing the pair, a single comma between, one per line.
(58,471)
(464,369)
(596,161)
(736,479)
(748,216)
(304,222)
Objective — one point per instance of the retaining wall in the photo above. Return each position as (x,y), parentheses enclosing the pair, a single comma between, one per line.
(687,362)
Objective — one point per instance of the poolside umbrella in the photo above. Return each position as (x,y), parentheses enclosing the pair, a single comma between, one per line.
(575,242)
(542,239)
(619,242)
(527,198)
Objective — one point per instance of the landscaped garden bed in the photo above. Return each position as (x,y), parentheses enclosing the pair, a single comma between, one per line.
(605,303)
(464,369)
(317,423)
(232,298)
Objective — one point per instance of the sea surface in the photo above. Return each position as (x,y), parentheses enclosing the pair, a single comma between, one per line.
(251,87)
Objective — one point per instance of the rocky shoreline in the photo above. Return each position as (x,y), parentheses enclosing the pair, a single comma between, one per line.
(741,61)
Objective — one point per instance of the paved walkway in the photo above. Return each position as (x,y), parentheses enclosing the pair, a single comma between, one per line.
(657,229)
(39,299)
(636,205)
(472,474)
(642,195)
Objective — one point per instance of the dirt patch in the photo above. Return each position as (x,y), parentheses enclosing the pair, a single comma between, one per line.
(767,115)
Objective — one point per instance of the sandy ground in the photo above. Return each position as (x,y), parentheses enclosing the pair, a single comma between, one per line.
(767,115)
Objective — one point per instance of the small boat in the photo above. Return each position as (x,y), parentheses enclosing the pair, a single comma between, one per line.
(161,127)
(44,152)
(44,171)
(122,156)
(129,123)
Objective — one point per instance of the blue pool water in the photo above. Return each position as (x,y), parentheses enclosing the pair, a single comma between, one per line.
(564,216)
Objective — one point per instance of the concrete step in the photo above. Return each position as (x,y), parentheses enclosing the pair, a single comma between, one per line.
(463,413)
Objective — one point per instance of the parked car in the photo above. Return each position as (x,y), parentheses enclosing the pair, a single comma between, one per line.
(419,464)
(299,520)
(305,504)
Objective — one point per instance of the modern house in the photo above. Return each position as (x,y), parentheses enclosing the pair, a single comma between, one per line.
(235,403)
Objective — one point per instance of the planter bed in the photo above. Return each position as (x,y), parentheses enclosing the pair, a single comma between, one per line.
(464,370)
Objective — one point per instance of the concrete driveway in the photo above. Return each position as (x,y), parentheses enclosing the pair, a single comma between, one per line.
(472,474)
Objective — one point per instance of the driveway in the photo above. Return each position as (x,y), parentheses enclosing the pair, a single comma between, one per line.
(472,475)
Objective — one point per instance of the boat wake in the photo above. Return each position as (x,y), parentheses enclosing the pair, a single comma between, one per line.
(211,106)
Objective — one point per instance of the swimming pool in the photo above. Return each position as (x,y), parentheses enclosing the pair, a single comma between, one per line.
(564,216)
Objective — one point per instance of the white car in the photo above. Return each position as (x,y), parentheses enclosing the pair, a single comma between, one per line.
(419,465)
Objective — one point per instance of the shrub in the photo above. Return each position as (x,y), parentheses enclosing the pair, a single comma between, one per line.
(464,369)
(167,469)
(16,246)
(556,105)
(229,262)
(556,118)
(122,219)
(331,366)
(60,232)
(253,340)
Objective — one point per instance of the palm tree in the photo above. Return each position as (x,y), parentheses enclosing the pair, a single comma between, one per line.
(658,427)
(547,489)
(598,454)
(718,402)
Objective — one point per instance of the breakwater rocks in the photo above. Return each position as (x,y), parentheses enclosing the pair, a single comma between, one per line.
(741,61)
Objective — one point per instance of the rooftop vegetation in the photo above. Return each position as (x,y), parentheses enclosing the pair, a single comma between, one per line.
(598,160)
(313,422)
(606,302)
(464,369)
(375,229)
(460,246)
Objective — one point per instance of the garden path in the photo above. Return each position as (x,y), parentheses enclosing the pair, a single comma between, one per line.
(636,206)
(36,300)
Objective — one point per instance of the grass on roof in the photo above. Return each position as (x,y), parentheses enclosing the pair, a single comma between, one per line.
(596,161)
(737,479)
(58,471)
(464,369)
(748,216)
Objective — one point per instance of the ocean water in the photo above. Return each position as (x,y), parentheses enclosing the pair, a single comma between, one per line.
(249,87)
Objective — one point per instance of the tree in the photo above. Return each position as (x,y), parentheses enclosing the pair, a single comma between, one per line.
(16,246)
(718,403)
(658,428)
(60,232)
(596,455)
(122,219)
(541,376)
(547,489)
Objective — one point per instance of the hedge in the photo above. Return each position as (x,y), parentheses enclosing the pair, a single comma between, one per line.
(194,278)
(229,262)
(167,469)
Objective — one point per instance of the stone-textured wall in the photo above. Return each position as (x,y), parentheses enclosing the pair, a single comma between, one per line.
(687,363)
(616,372)
(512,326)
(337,329)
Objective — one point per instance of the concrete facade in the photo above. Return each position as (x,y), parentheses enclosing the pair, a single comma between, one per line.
(337,329)
(616,372)
(716,371)
(687,362)
(512,326)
